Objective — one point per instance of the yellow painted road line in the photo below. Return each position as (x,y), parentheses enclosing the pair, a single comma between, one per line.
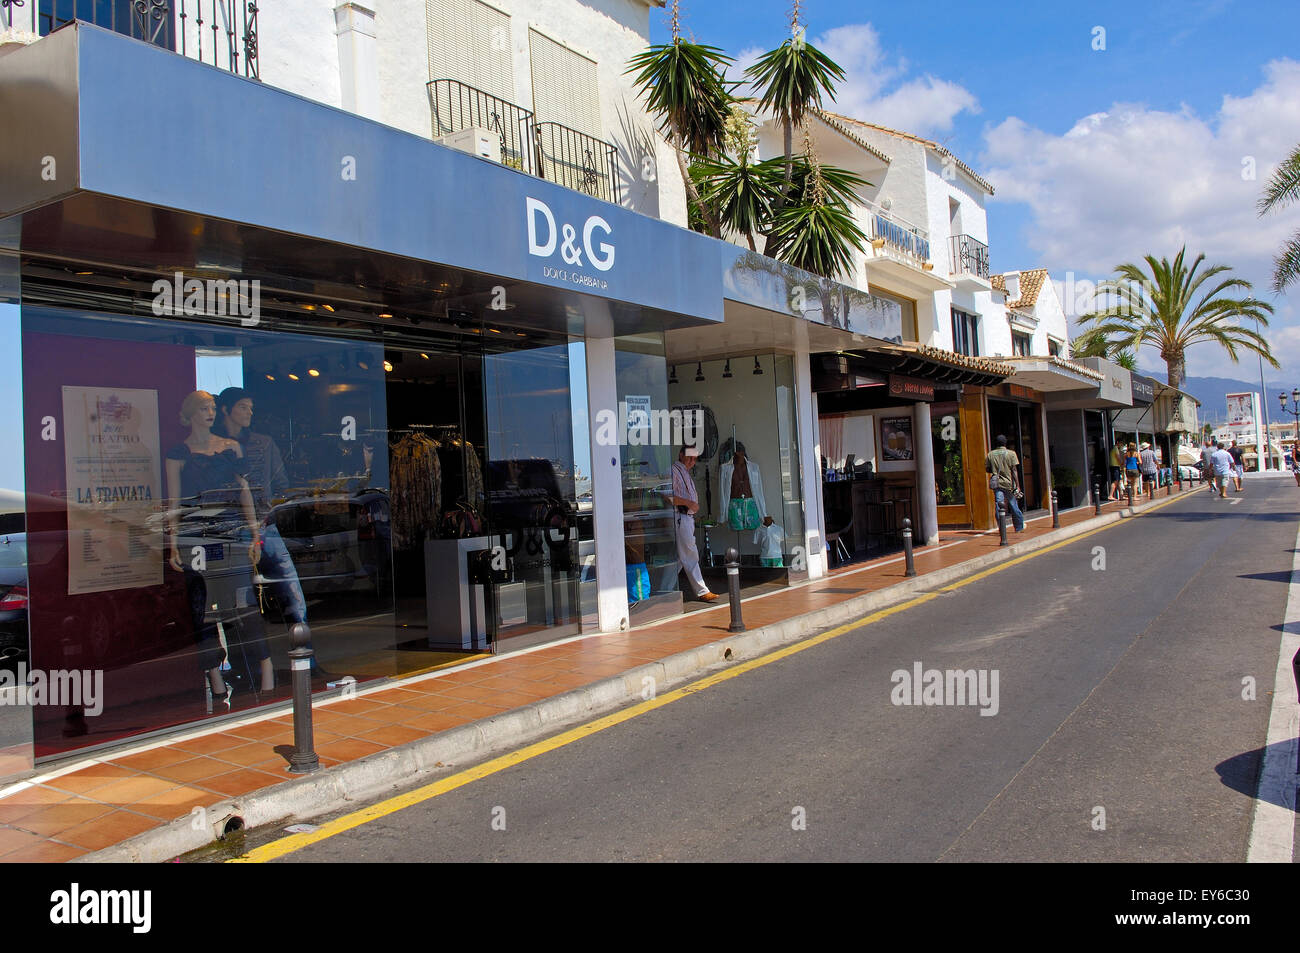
(294,842)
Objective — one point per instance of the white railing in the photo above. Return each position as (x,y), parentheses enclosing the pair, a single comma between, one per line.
(897,233)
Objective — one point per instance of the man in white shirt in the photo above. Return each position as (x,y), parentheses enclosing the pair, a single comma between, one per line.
(687,503)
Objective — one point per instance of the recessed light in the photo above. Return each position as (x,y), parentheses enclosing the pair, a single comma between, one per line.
(423,355)
(313,372)
(385,315)
(328,308)
(388,366)
(294,377)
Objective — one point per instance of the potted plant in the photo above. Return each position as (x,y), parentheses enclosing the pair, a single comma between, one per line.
(1064,480)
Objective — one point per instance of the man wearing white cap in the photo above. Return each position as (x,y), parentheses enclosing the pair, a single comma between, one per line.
(687,502)
(1148,464)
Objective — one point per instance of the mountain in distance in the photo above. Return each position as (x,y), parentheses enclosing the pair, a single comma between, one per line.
(1210,392)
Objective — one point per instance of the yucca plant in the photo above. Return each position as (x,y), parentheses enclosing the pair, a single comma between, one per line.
(1283,189)
(1169,310)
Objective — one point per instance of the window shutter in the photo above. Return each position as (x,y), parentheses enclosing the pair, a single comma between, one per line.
(469,41)
(564,86)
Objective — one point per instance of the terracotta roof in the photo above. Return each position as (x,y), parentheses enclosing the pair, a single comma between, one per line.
(1031,282)
(835,123)
(1080,369)
(928,143)
(983,364)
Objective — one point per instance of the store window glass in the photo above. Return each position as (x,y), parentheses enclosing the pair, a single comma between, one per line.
(175,534)
(787,420)
(945,428)
(646,458)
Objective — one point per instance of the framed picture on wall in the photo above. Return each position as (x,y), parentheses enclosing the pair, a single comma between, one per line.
(896,438)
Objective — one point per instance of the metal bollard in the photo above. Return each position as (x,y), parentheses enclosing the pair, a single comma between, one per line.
(1056,512)
(1096,499)
(733,589)
(303,760)
(1002,523)
(907,548)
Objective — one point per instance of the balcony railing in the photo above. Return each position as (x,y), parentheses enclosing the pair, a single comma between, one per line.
(456,106)
(898,234)
(969,256)
(577,160)
(222,33)
(545,149)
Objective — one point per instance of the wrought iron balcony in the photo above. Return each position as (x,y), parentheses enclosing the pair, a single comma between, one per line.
(457,106)
(898,234)
(577,160)
(221,33)
(969,257)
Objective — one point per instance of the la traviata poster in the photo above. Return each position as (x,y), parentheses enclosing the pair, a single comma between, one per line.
(112,465)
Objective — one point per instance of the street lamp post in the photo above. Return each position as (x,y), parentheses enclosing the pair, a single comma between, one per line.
(1294,411)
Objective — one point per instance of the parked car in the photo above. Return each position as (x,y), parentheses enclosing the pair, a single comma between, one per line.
(13,597)
(338,543)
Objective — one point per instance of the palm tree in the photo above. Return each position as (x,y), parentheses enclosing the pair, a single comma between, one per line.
(1282,190)
(1162,309)
(790,81)
(684,87)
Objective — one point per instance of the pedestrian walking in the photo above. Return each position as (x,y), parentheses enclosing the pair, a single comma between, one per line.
(1132,467)
(1238,465)
(1148,465)
(1116,471)
(687,502)
(1222,462)
(1207,460)
(1004,480)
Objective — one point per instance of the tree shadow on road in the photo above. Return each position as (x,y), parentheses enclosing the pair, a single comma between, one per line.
(1196,516)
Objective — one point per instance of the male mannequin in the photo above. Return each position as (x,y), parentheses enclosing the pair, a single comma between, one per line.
(739,478)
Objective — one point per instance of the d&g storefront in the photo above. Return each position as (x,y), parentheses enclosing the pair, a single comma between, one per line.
(352,380)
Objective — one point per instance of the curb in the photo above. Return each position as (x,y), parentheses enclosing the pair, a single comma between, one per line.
(342,786)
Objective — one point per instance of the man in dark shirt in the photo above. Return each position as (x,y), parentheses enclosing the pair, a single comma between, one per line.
(1238,465)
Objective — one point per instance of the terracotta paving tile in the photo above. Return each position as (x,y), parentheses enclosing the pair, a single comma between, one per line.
(473,710)
(46,852)
(12,839)
(52,819)
(172,804)
(263,731)
(352,725)
(356,706)
(154,758)
(485,693)
(425,703)
(91,777)
(235,783)
(395,696)
(433,722)
(349,749)
(244,755)
(30,800)
(393,735)
(108,829)
(128,791)
(211,744)
(190,770)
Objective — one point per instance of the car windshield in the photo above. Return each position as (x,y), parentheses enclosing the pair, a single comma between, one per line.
(13,552)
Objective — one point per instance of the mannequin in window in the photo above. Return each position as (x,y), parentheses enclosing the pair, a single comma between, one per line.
(741,485)
(210,470)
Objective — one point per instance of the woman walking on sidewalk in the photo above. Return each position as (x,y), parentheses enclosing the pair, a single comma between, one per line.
(1132,467)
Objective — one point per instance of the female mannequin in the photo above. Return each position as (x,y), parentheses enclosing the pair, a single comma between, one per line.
(205,462)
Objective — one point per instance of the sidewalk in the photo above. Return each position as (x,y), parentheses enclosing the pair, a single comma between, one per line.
(136,803)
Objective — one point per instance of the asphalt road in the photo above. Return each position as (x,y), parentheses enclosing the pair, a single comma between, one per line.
(1120,734)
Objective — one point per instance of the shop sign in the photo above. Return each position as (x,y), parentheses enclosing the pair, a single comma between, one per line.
(1144,389)
(545,240)
(912,388)
(111,463)
(896,438)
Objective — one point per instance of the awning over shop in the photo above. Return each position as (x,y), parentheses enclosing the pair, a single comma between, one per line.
(943,368)
(312,200)
(1052,374)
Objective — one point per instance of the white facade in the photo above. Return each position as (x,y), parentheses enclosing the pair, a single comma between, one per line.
(374,59)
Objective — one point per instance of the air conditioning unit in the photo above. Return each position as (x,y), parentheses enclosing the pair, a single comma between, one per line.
(477,141)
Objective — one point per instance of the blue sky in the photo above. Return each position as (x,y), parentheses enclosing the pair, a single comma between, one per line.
(1098,155)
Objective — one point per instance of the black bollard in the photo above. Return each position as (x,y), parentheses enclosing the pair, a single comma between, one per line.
(1096,499)
(733,589)
(1056,512)
(303,759)
(1002,523)
(907,548)
(1130,496)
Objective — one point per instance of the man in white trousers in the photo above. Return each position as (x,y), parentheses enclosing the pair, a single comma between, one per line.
(687,503)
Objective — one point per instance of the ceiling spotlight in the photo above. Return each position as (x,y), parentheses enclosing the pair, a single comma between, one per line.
(726,371)
(270,377)
(313,372)
(673,377)
(328,308)
(385,314)
(293,376)
(699,373)
(363,365)
(757,368)
(388,366)
(423,355)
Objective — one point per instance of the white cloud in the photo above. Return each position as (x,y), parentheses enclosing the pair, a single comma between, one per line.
(1133,180)
(876,86)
